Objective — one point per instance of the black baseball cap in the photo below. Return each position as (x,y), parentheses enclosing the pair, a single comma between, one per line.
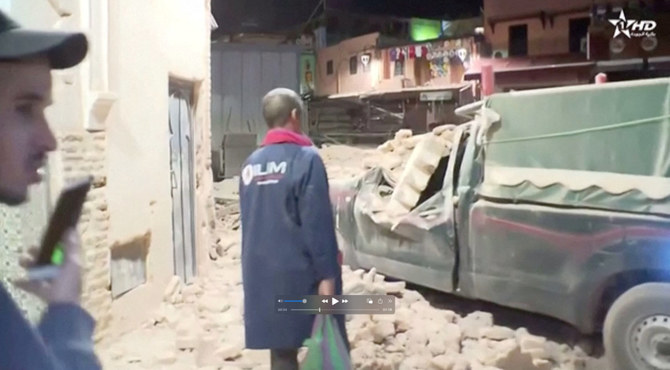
(63,49)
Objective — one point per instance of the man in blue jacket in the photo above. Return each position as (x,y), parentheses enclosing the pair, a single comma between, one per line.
(63,340)
(288,236)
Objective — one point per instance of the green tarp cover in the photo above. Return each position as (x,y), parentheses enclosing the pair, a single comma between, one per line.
(601,146)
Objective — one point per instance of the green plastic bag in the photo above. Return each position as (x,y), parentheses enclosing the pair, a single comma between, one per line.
(325,348)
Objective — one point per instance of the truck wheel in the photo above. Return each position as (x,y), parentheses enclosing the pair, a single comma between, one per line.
(636,333)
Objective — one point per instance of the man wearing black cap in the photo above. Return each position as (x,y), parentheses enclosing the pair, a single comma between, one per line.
(63,339)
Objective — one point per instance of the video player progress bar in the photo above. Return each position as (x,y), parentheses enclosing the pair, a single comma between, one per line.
(334,309)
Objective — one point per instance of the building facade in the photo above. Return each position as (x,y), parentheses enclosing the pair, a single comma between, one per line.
(135,115)
(534,44)
(373,63)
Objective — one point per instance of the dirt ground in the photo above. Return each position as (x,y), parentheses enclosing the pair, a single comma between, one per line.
(201,325)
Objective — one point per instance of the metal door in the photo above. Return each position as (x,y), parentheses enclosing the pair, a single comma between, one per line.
(181,179)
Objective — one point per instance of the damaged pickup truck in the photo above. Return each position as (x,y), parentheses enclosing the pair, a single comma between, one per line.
(554,201)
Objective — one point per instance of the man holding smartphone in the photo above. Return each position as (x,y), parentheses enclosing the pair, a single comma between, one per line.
(288,234)
(63,339)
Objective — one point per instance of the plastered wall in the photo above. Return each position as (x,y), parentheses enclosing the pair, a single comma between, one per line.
(111,118)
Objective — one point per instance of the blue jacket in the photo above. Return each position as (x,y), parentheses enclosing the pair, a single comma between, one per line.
(63,340)
(288,241)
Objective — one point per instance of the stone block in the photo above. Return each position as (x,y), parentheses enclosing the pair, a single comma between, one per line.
(443,362)
(411,296)
(474,322)
(403,319)
(382,330)
(230,351)
(205,352)
(395,287)
(403,134)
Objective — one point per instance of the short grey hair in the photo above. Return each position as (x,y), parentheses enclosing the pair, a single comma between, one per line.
(278,105)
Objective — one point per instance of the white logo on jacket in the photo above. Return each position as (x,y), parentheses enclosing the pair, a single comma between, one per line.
(271,173)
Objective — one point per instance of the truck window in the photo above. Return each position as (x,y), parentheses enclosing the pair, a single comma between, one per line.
(436,181)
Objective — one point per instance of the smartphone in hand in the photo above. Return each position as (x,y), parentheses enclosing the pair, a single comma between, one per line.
(65,216)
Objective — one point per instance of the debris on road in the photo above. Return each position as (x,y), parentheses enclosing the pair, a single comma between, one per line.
(201,325)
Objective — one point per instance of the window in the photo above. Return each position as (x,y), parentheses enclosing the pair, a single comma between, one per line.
(399,68)
(329,67)
(353,65)
(518,40)
(579,29)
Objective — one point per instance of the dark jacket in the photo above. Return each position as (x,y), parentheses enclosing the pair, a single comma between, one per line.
(288,241)
(62,341)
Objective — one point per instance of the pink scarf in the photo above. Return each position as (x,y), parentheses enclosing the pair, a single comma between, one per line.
(284,136)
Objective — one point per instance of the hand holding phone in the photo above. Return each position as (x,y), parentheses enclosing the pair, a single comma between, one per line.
(57,284)
(60,243)
(66,216)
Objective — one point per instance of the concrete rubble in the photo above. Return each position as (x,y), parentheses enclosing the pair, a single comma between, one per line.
(200,326)
(209,332)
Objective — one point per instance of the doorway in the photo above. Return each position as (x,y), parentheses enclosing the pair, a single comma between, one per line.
(182,179)
(421,71)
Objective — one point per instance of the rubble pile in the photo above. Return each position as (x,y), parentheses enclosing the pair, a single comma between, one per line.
(200,326)
(419,336)
(345,162)
(227,230)
(394,154)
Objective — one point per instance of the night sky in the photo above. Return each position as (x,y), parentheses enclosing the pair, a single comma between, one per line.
(442,9)
(235,16)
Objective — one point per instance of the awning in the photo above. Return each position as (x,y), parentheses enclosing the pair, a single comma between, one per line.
(413,92)
(404,93)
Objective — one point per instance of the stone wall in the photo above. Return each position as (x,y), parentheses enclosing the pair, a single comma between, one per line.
(204,182)
(84,153)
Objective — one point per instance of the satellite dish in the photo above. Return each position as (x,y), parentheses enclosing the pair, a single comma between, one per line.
(649,43)
(617,45)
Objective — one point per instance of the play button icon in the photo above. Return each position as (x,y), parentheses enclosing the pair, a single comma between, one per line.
(335,301)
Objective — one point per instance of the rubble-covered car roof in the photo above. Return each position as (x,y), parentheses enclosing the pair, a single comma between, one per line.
(601,146)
